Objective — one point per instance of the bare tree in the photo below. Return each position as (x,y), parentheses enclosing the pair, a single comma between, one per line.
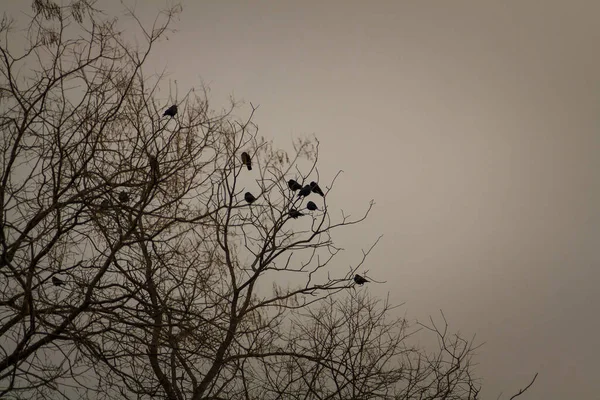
(133,267)
(352,348)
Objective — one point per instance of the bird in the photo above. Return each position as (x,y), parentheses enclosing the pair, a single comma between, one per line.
(249,198)
(154,166)
(311,206)
(247,160)
(359,279)
(57,281)
(316,189)
(305,191)
(105,204)
(293,185)
(171,111)
(123,197)
(295,213)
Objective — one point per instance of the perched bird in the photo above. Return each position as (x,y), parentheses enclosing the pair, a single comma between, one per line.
(249,198)
(295,213)
(311,206)
(305,191)
(57,281)
(293,185)
(154,166)
(171,111)
(359,279)
(316,189)
(124,197)
(105,204)
(247,160)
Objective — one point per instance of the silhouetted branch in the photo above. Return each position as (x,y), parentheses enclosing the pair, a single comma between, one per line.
(521,391)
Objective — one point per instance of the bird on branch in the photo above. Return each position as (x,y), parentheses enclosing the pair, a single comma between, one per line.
(154,167)
(56,281)
(171,111)
(247,161)
(316,189)
(293,185)
(305,191)
(295,213)
(249,198)
(124,197)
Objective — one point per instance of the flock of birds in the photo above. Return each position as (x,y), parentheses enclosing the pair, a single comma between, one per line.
(303,191)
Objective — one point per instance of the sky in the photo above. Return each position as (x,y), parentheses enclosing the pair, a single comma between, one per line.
(475,127)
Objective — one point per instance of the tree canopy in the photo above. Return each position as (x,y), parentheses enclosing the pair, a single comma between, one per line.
(134,266)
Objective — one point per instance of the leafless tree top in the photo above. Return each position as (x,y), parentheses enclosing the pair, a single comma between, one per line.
(134,265)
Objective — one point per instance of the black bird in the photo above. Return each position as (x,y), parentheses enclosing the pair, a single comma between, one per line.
(247,160)
(154,166)
(57,281)
(316,189)
(171,111)
(249,198)
(124,197)
(305,191)
(293,185)
(360,280)
(295,213)
(105,204)
(311,206)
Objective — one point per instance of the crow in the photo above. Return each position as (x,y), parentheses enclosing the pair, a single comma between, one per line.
(124,197)
(305,191)
(249,198)
(293,185)
(171,111)
(295,213)
(316,189)
(247,161)
(57,281)
(311,206)
(154,166)
(360,280)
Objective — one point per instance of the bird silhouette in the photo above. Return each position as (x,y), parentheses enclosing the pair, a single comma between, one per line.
(305,191)
(57,281)
(154,166)
(124,197)
(247,160)
(293,185)
(295,213)
(249,198)
(311,206)
(171,111)
(360,280)
(316,189)
(105,204)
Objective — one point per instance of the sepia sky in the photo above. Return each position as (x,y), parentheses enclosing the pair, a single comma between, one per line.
(475,127)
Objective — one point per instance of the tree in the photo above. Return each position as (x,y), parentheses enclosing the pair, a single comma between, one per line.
(171,284)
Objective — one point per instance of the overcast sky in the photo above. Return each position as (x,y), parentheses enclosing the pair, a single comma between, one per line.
(475,126)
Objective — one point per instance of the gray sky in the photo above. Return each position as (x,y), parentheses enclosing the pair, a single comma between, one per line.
(474,125)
